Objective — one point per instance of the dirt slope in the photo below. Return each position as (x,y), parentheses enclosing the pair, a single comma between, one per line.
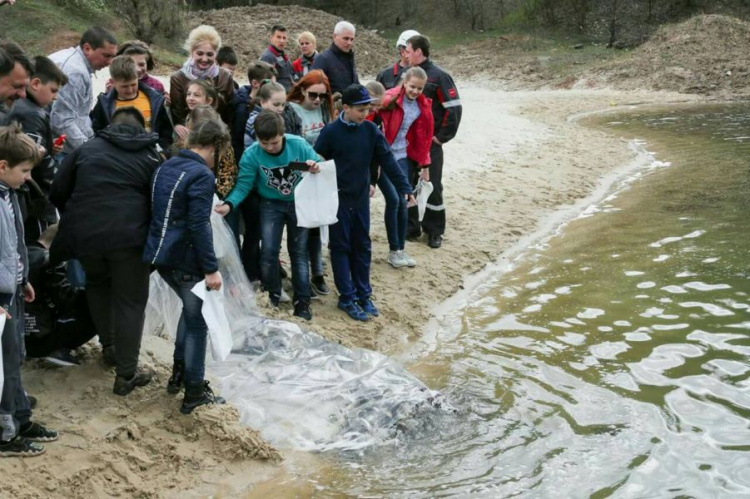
(706,54)
(246,29)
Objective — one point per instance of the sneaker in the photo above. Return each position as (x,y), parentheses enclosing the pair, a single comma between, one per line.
(368,307)
(435,242)
(318,284)
(353,310)
(20,447)
(123,385)
(198,395)
(396,259)
(109,356)
(302,309)
(63,357)
(284,298)
(37,433)
(174,384)
(408,259)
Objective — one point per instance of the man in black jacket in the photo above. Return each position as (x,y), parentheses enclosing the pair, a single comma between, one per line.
(103,191)
(446,112)
(337,61)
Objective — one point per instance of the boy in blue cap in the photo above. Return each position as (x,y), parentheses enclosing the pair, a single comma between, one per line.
(354,143)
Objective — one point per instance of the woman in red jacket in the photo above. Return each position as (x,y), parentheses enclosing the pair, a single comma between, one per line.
(408,126)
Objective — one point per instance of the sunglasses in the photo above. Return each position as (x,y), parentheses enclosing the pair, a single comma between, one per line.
(316,95)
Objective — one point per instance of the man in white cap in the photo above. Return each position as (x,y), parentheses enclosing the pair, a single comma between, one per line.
(391,76)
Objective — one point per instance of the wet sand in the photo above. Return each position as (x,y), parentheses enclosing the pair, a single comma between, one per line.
(516,162)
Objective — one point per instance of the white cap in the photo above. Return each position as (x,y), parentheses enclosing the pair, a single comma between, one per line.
(404,37)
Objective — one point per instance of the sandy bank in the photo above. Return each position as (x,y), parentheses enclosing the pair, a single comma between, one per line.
(516,161)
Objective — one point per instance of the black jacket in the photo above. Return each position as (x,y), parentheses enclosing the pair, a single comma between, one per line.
(446,104)
(391,76)
(102,190)
(338,66)
(38,212)
(160,122)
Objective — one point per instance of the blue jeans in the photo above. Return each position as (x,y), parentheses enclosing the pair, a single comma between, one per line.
(396,214)
(14,403)
(351,252)
(274,215)
(192,332)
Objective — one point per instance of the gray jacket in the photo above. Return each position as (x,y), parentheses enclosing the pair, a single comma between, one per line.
(11,245)
(70,112)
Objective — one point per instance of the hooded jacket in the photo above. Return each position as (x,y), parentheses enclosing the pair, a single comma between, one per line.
(338,66)
(160,122)
(419,135)
(102,190)
(11,246)
(180,234)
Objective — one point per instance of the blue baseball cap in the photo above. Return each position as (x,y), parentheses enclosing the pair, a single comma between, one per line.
(355,95)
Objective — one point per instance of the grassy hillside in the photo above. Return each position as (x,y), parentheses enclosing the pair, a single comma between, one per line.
(42,27)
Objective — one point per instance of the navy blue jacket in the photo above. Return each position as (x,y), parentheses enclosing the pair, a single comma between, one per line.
(338,66)
(160,122)
(180,235)
(242,106)
(354,147)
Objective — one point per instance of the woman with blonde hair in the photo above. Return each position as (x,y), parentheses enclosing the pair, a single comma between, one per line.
(202,44)
(308,45)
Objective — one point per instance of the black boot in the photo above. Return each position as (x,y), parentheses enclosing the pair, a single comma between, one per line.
(174,385)
(197,395)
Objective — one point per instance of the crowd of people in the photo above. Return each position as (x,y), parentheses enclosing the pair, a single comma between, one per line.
(96,193)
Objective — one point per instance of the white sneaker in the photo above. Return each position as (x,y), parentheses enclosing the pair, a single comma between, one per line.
(408,259)
(284,298)
(396,259)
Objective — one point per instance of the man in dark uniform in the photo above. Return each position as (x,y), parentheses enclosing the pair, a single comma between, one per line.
(391,76)
(446,110)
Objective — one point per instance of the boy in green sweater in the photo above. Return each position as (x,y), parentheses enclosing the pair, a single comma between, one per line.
(266,166)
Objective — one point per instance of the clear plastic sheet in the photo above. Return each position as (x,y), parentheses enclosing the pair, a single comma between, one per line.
(300,390)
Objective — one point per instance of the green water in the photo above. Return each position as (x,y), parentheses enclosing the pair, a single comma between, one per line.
(614,359)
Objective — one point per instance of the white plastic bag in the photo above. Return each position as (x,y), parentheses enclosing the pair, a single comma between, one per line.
(422,193)
(216,319)
(316,197)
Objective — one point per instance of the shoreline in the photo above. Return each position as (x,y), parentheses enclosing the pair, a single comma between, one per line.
(516,165)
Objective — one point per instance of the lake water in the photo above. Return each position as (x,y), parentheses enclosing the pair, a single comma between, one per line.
(613,359)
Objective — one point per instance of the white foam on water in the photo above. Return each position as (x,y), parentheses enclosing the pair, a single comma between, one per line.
(662,258)
(590,313)
(670,327)
(674,289)
(622,323)
(702,286)
(632,273)
(645,285)
(686,274)
(708,307)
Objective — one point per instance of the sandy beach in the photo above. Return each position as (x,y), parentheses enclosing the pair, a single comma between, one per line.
(517,162)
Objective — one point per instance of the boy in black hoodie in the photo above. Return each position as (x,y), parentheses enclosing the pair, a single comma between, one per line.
(32,114)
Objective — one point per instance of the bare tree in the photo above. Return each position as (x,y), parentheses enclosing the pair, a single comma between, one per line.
(148,18)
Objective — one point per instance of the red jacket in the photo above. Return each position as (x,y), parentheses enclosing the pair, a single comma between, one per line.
(419,136)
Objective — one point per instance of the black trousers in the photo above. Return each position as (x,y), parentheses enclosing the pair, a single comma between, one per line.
(250,254)
(434,217)
(117,292)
